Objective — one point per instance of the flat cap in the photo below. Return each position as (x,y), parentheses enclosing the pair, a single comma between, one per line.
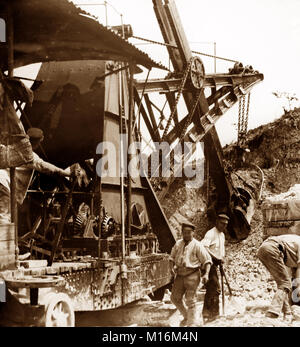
(35,133)
(223,215)
(187,224)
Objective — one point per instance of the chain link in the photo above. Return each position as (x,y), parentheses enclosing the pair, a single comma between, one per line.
(180,90)
(173,46)
(190,116)
(247,114)
(243,114)
(239,117)
(243,118)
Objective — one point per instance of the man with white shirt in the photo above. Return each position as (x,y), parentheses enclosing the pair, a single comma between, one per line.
(188,257)
(214,242)
(277,253)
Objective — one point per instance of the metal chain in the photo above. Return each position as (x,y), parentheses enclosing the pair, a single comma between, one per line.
(187,123)
(247,113)
(239,117)
(173,46)
(180,90)
(243,118)
(243,114)
(190,116)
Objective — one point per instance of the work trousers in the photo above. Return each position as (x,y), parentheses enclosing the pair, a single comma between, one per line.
(271,254)
(211,308)
(186,287)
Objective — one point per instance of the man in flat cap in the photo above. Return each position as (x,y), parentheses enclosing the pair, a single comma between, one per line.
(24,175)
(188,257)
(214,242)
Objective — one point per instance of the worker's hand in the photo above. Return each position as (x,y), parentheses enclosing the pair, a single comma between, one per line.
(217,261)
(205,278)
(79,174)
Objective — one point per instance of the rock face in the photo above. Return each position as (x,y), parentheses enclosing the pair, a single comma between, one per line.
(183,204)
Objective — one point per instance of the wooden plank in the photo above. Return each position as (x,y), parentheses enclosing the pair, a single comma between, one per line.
(292,228)
(149,126)
(29,264)
(51,271)
(281,210)
(178,31)
(35,282)
(7,232)
(168,34)
(152,116)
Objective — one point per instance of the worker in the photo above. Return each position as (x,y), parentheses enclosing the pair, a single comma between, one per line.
(214,242)
(188,258)
(24,175)
(278,253)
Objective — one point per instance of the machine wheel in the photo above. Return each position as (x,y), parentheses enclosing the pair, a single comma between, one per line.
(59,311)
(197,74)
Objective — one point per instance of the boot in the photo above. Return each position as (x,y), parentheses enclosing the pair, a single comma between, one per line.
(286,309)
(277,304)
(180,307)
(191,316)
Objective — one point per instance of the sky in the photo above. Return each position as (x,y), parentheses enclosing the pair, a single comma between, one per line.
(261,33)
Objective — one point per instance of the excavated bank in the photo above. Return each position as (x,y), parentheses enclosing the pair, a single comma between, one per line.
(275,148)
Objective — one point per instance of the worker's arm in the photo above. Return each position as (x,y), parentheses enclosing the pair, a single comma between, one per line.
(49,169)
(206,242)
(207,267)
(214,256)
(205,260)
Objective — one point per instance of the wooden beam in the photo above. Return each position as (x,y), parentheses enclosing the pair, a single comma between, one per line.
(160,85)
(152,116)
(154,135)
(167,33)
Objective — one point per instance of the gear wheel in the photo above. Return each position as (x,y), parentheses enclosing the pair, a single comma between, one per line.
(108,226)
